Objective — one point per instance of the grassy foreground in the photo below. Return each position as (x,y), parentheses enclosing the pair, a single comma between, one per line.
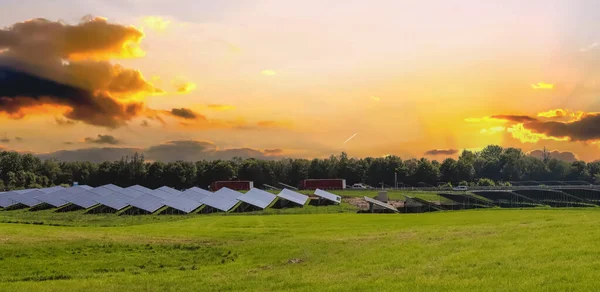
(499,250)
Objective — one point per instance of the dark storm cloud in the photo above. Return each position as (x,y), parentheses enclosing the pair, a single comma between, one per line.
(19,89)
(185,113)
(435,152)
(273,151)
(515,118)
(91,154)
(103,139)
(186,150)
(564,156)
(33,71)
(585,129)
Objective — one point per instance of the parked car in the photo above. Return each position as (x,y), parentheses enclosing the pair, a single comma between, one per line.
(460,188)
(359,187)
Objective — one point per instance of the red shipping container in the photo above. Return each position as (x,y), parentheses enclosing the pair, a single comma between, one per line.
(234,185)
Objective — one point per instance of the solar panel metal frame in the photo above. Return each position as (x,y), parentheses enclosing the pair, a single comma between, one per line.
(328,196)
(381,204)
(294,197)
(258,198)
(148,203)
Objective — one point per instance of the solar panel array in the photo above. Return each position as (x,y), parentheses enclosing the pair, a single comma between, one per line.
(138,199)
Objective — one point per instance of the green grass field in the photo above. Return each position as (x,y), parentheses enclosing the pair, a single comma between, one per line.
(499,250)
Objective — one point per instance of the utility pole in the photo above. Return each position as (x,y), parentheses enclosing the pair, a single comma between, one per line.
(395,180)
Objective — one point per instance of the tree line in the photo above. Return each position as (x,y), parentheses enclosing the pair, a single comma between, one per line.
(493,165)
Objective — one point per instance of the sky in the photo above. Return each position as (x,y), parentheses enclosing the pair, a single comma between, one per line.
(183,79)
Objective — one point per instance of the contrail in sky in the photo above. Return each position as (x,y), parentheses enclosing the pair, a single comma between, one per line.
(350,138)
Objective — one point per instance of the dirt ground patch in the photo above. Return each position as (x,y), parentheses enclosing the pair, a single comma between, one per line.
(361,204)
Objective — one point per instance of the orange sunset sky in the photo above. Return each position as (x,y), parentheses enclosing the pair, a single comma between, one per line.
(278,78)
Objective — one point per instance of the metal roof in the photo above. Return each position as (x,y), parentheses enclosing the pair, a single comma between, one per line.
(258,198)
(83,199)
(114,200)
(224,199)
(182,204)
(381,204)
(148,203)
(292,196)
(327,195)
(26,197)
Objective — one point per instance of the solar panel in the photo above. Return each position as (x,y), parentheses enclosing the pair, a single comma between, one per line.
(169,190)
(114,200)
(26,197)
(227,193)
(381,204)
(224,199)
(194,195)
(329,196)
(147,203)
(23,191)
(182,204)
(83,199)
(162,194)
(132,193)
(51,189)
(75,189)
(6,201)
(53,199)
(112,187)
(294,197)
(140,188)
(258,198)
(101,191)
(201,191)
